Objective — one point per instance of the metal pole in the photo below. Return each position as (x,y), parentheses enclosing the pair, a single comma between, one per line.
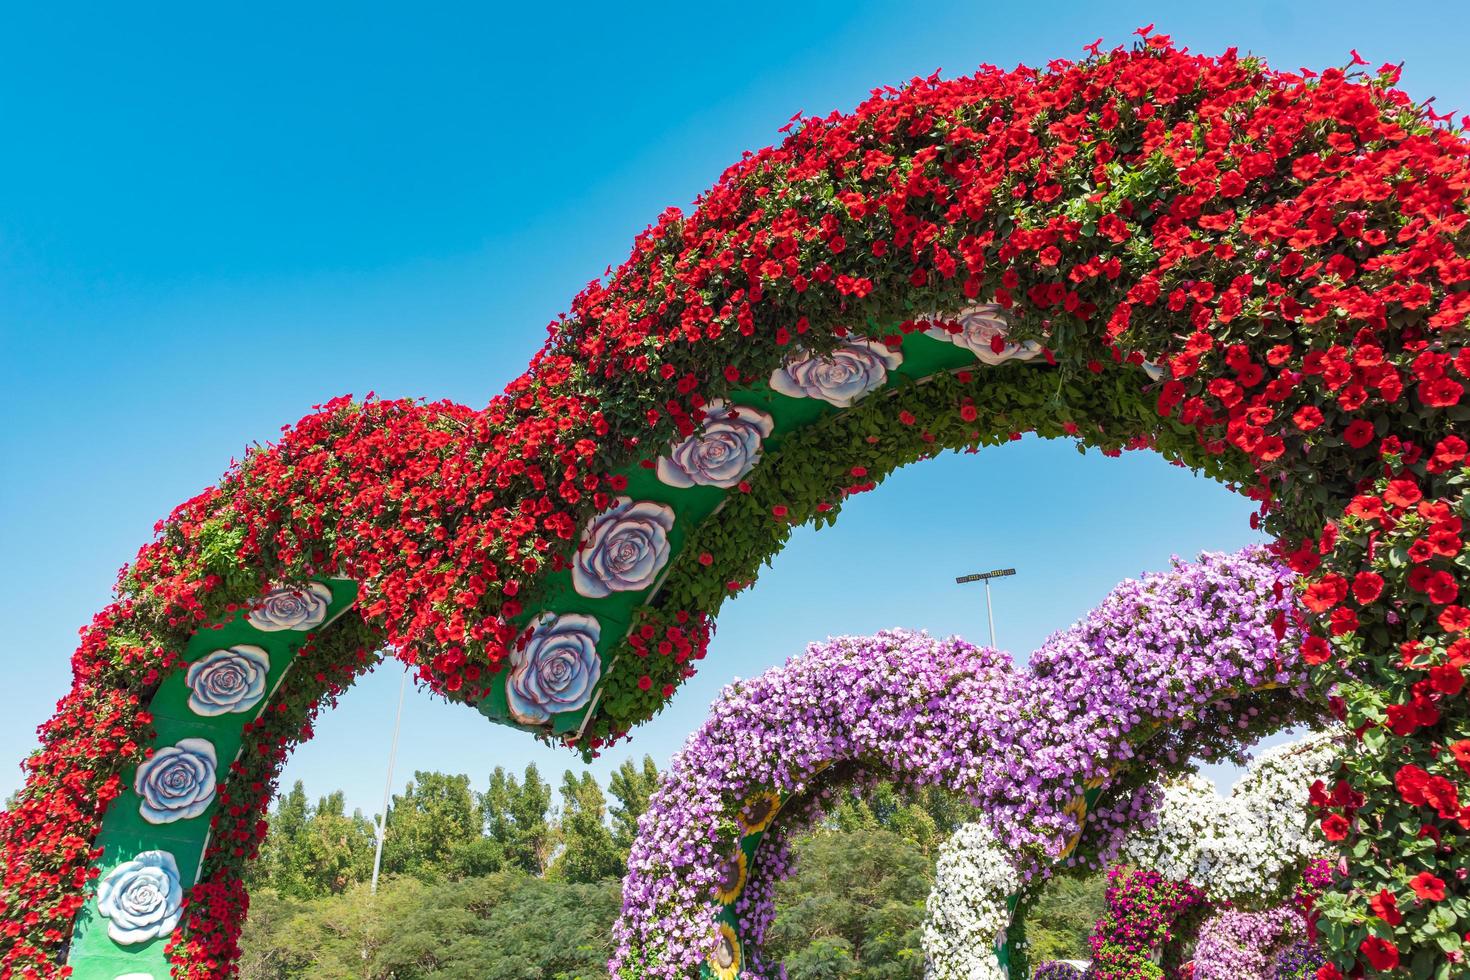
(989,606)
(388,784)
(990,610)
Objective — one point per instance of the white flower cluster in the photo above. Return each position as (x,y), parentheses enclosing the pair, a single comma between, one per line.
(1249,846)
(967,915)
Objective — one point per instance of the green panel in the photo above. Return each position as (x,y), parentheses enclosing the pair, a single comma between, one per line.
(125,833)
(922,357)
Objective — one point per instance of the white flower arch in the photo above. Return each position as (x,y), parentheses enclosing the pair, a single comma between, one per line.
(1242,847)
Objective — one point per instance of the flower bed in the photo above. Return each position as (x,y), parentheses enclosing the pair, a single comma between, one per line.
(1249,863)
(1235,945)
(969,909)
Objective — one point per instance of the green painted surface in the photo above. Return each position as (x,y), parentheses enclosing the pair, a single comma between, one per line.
(125,833)
(922,357)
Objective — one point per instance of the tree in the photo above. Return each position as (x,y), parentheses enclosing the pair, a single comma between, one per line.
(857,898)
(281,862)
(926,817)
(338,849)
(265,934)
(505,926)
(631,786)
(428,825)
(588,853)
(516,816)
(463,898)
(1064,915)
(312,851)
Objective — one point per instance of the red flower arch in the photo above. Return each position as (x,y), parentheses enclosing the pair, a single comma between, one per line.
(1263,275)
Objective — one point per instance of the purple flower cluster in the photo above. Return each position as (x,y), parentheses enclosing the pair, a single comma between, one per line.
(1056,970)
(1245,945)
(1299,961)
(1160,660)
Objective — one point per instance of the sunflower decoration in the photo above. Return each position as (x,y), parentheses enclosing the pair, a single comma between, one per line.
(758,812)
(1077,808)
(730,881)
(724,962)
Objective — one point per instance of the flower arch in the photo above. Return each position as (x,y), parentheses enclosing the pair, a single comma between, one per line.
(1256,273)
(1167,667)
(1194,852)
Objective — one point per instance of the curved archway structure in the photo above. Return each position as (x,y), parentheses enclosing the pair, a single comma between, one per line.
(1196,854)
(1167,667)
(1259,274)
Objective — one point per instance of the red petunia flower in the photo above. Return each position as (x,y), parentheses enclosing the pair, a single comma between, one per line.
(1402,493)
(1307,418)
(1315,651)
(1358,433)
(1380,953)
(1427,887)
(1325,593)
(1335,827)
(1367,587)
(1385,905)
(1461,751)
(1409,781)
(1446,679)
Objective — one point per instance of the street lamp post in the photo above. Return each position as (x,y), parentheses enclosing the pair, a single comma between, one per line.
(382,828)
(986,577)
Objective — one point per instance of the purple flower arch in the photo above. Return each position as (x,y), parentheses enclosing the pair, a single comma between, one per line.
(1187,663)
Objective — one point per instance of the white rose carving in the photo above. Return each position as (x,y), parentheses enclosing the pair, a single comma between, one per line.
(722,453)
(141,899)
(291,607)
(556,669)
(839,378)
(230,681)
(983,329)
(623,548)
(178,782)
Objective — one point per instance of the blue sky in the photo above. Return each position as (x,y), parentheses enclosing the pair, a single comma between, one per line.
(211,219)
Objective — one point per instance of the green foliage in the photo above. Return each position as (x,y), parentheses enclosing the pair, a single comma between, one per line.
(856,902)
(515,814)
(588,852)
(631,786)
(429,825)
(923,817)
(1063,917)
(313,851)
(507,926)
(495,885)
